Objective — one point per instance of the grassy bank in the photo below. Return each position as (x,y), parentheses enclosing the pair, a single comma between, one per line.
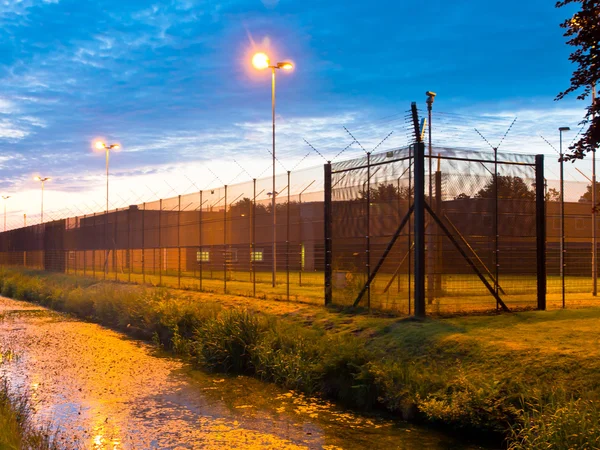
(531,377)
(16,429)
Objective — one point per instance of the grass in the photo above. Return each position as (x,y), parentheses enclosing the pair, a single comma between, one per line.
(529,377)
(17,431)
(461,293)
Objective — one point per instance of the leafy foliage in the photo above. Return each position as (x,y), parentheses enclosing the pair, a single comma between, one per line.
(475,374)
(508,187)
(587,196)
(583,31)
(386,193)
(553,195)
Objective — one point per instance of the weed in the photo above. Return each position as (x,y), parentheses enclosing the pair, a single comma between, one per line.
(484,373)
(224,343)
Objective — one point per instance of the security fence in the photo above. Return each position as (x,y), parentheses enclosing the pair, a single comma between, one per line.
(218,240)
(345,234)
(471,234)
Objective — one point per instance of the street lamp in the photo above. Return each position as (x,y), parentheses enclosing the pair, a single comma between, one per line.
(261,61)
(5,198)
(562,216)
(42,180)
(107,148)
(594,211)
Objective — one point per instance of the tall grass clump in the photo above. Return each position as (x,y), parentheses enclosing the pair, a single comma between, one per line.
(225,343)
(17,431)
(560,425)
(446,372)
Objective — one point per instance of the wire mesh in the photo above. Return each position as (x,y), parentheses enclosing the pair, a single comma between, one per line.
(229,239)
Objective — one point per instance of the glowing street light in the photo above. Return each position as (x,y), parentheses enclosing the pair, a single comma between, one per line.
(5,198)
(42,180)
(107,148)
(261,61)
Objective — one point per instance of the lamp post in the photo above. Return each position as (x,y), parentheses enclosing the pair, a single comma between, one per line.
(5,198)
(594,212)
(261,61)
(42,180)
(107,148)
(562,216)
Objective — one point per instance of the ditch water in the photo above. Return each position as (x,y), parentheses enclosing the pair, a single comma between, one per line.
(102,390)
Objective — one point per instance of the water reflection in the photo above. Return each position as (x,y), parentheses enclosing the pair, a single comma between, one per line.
(105,391)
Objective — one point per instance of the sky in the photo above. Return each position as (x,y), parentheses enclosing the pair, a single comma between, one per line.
(171,81)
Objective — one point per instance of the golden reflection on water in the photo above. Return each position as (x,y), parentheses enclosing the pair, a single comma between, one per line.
(108,392)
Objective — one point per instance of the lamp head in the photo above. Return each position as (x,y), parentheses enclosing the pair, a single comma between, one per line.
(564,129)
(430,97)
(260,61)
(285,65)
(100,145)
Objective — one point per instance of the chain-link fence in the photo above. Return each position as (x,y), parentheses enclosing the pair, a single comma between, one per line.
(218,240)
(482,247)
(481,234)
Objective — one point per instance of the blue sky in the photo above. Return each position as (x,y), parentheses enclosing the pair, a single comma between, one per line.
(171,81)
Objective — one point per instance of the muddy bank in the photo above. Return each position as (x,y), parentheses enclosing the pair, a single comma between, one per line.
(104,390)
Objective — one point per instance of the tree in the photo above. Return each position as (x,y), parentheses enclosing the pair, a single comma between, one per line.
(244,206)
(385,193)
(583,31)
(553,195)
(508,187)
(587,196)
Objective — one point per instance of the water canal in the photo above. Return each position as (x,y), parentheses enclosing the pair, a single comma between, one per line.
(103,390)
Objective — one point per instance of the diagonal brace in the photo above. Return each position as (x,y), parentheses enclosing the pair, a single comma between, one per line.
(397,271)
(385,254)
(464,241)
(464,255)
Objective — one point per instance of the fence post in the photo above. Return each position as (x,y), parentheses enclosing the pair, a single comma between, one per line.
(129,258)
(179,242)
(540,222)
(94,251)
(115,261)
(253,246)
(327,233)
(287,239)
(419,168)
(411,156)
(225,248)
(84,245)
(144,244)
(160,253)
(200,238)
(438,235)
(368,237)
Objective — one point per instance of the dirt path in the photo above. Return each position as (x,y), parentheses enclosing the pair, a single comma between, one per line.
(105,391)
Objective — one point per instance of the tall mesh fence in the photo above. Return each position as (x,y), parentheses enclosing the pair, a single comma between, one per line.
(218,240)
(478,236)
(225,240)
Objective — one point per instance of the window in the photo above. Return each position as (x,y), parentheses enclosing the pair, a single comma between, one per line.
(230,255)
(256,255)
(203,255)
